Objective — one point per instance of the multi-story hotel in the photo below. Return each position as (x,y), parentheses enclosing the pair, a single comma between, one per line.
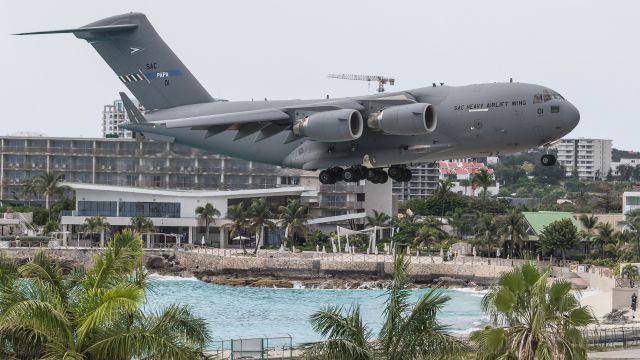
(141,163)
(591,158)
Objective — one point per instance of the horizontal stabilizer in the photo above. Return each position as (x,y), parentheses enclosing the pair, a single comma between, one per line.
(91,29)
(242,117)
(133,112)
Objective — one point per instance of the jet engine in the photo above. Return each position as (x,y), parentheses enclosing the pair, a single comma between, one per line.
(331,126)
(410,119)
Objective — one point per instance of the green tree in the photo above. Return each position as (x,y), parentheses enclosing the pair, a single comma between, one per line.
(459,221)
(486,231)
(532,319)
(483,179)
(48,184)
(239,216)
(513,226)
(30,188)
(293,218)
(207,214)
(442,191)
(528,167)
(428,235)
(378,218)
(142,224)
(95,225)
(91,314)
(408,331)
(589,224)
(605,236)
(261,216)
(559,235)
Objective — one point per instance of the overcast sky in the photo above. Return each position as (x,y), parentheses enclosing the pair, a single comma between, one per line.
(586,50)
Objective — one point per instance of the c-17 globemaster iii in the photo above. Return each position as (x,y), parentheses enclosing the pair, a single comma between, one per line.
(349,139)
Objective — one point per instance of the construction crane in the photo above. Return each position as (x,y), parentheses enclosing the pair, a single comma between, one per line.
(382,81)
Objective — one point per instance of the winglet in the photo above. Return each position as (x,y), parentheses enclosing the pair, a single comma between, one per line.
(135,116)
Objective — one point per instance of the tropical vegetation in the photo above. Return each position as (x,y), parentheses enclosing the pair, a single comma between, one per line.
(206,214)
(409,331)
(91,313)
(532,319)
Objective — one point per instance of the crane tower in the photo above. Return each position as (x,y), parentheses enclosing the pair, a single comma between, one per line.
(382,81)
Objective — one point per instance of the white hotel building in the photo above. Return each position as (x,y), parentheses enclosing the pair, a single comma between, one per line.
(590,157)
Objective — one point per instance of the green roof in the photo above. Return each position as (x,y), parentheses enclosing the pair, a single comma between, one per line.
(538,220)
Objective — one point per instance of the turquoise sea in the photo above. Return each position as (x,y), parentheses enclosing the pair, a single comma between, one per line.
(233,312)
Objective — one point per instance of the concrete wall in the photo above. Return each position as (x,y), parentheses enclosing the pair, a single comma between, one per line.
(479,273)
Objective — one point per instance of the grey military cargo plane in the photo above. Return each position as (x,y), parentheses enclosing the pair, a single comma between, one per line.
(349,139)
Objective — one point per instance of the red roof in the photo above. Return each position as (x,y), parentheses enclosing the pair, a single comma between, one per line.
(462,168)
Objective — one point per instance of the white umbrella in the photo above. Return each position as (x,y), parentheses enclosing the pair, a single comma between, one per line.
(240,238)
(441,252)
(474,251)
(498,253)
(323,249)
(203,242)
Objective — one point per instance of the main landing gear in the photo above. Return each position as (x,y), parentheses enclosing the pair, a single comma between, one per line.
(548,160)
(358,172)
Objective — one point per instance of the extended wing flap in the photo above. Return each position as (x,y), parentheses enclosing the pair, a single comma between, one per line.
(242,117)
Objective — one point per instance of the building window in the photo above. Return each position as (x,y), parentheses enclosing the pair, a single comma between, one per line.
(360,197)
(156,181)
(150,209)
(97,208)
(289,180)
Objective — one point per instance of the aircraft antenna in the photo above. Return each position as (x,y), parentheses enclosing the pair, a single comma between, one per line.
(382,80)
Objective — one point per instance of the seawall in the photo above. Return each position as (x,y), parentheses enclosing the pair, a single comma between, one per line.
(290,265)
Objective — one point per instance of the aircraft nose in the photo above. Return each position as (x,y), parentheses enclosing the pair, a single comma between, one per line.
(572,116)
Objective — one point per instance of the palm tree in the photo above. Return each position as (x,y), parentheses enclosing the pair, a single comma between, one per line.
(408,332)
(604,237)
(482,178)
(48,184)
(142,224)
(486,230)
(465,183)
(532,319)
(514,227)
(428,235)
(589,223)
(458,220)
(96,225)
(378,219)
(91,314)
(261,216)
(443,190)
(630,272)
(30,188)
(206,215)
(293,218)
(238,215)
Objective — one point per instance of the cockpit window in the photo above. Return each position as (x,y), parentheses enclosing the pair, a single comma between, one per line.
(546,95)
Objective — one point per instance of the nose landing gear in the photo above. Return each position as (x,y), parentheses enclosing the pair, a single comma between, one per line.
(548,160)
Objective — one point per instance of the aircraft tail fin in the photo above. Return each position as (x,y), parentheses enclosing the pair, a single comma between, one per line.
(141,60)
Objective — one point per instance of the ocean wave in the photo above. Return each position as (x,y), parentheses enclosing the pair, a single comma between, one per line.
(472,291)
(158,277)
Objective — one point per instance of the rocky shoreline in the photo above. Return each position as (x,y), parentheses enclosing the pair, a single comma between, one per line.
(167,264)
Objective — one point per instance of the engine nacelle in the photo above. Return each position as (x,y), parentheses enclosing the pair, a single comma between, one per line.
(331,126)
(410,119)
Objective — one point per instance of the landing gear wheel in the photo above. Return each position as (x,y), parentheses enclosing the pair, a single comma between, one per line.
(326,177)
(548,160)
(406,177)
(396,172)
(377,176)
(350,175)
(337,172)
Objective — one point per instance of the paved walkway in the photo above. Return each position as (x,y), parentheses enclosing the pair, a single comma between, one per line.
(621,354)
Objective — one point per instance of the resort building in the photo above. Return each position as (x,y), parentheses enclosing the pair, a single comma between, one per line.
(630,202)
(423,183)
(142,163)
(590,158)
(173,212)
